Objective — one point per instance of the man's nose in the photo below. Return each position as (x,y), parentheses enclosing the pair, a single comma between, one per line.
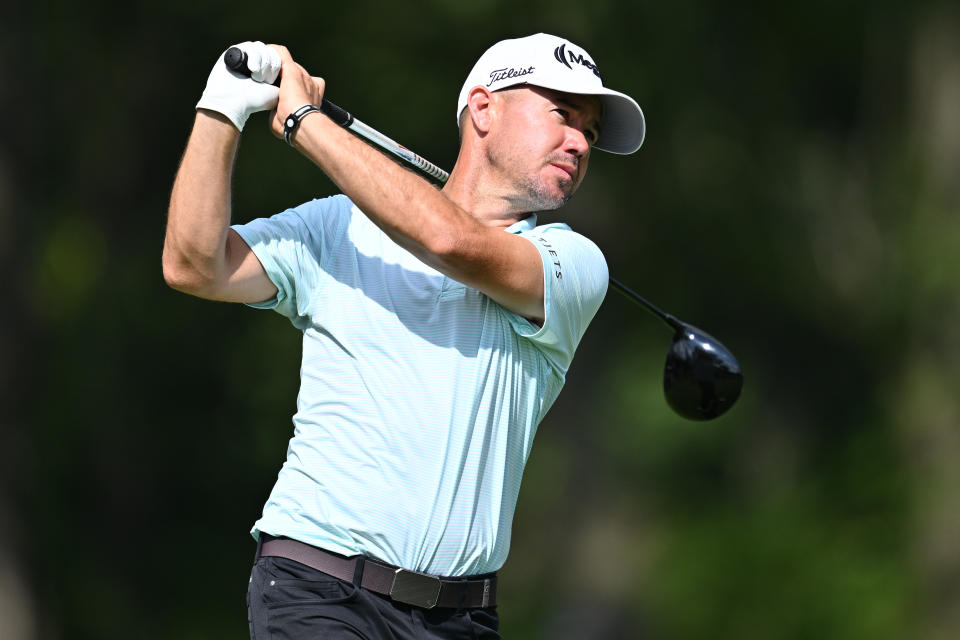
(576,142)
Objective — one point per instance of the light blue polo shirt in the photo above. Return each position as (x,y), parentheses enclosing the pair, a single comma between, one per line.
(419,397)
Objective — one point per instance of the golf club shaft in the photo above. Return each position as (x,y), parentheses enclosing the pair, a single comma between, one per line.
(236,59)
(378,139)
(646,304)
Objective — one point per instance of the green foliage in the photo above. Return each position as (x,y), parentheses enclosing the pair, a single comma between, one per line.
(796,197)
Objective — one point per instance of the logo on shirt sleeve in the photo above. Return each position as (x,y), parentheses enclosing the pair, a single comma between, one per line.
(557,270)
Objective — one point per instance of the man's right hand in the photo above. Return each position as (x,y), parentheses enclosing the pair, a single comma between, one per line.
(236,96)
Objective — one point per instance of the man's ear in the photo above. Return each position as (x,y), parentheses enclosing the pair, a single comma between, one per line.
(482,106)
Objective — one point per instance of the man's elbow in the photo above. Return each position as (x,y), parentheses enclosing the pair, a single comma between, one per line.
(180,274)
(177,277)
(451,247)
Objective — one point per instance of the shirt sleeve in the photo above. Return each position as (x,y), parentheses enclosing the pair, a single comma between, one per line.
(575,279)
(291,247)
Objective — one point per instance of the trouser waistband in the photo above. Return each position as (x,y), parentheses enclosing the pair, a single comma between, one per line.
(402,585)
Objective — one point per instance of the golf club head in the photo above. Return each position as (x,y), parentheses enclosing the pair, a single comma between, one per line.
(701,379)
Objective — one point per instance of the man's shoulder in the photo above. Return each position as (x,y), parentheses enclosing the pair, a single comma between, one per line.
(325,217)
(338,204)
(563,233)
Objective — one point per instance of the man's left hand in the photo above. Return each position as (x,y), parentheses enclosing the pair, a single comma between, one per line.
(297,88)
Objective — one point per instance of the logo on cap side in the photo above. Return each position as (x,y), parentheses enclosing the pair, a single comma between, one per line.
(505,74)
(561,54)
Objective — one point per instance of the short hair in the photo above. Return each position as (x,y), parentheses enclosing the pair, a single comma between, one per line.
(462,122)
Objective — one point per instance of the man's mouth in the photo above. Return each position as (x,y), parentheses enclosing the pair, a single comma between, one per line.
(568,168)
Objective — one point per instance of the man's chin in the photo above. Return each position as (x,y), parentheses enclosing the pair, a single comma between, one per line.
(548,199)
(559,198)
(554,202)
(565,192)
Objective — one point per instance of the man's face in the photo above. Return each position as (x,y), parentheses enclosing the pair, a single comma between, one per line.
(542,143)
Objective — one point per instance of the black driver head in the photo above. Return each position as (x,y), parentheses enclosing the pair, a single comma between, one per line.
(701,379)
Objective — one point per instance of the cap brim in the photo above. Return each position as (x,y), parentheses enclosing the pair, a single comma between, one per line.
(622,125)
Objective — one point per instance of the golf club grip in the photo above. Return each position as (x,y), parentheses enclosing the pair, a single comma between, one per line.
(236,59)
(338,114)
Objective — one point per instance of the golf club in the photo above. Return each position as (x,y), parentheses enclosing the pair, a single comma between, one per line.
(701,380)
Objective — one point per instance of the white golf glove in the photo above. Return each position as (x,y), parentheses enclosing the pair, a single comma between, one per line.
(237,96)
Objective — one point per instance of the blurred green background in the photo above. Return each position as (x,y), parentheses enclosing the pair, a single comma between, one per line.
(797,196)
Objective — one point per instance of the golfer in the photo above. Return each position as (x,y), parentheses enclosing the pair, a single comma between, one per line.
(438,326)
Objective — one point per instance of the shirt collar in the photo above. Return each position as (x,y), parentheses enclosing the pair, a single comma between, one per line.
(527,224)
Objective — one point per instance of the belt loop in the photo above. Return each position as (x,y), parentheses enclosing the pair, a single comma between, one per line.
(486,594)
(358,571)
(464,592)
(256,555)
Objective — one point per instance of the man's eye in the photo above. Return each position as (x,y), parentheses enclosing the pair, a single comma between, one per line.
(563,113)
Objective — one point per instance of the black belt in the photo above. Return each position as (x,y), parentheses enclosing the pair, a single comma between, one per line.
(410,587)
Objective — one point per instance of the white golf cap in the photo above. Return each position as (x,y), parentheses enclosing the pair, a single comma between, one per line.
(554,63)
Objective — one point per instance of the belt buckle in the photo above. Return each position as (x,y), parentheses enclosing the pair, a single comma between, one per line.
(419,589)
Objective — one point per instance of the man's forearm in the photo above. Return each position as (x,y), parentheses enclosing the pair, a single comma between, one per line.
(199,214)
(425,221)
(409,210)
(376,184)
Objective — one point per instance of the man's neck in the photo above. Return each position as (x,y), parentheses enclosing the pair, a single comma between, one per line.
(489,203)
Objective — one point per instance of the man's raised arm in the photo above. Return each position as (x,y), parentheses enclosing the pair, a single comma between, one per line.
(201,255)
(418,217)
